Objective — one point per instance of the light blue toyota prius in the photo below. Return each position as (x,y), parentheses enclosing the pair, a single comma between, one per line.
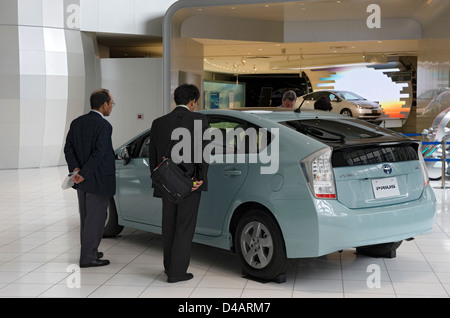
(285,184)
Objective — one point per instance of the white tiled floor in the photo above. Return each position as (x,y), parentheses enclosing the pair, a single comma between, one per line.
(39,244)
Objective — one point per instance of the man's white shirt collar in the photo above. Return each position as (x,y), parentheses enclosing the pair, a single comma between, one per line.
(184,107)
(98,112)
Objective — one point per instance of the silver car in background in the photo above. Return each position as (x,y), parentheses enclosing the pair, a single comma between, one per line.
(343,102)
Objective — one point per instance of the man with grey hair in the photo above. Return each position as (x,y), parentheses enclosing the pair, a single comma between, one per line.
(289,99)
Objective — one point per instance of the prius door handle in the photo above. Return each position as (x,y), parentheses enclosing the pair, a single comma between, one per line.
(232,172)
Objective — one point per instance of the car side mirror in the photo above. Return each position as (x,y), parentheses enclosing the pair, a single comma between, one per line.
(124,154)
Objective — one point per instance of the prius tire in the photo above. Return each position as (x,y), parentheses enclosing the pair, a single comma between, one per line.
(112,227)
(260,246)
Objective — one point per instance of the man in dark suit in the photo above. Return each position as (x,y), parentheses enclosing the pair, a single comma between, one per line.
(179,220)
(323,103)
(90,157)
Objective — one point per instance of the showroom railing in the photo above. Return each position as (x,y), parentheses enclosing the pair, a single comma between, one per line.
(443,158)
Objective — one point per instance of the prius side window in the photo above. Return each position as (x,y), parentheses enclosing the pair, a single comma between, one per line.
(238,137)
(145,148)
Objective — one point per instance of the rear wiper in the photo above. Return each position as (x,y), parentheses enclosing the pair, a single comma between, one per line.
(316,131)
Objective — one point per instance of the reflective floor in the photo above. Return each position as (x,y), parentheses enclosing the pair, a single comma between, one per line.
(39,250)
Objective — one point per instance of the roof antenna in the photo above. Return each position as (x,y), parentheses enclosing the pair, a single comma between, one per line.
(298,109)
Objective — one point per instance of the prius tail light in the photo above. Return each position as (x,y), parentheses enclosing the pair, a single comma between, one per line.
(318,173)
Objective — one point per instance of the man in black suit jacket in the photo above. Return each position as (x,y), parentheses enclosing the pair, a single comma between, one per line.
(90,157)
(179,220)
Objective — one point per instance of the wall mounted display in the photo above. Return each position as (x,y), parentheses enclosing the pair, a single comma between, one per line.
(223,94)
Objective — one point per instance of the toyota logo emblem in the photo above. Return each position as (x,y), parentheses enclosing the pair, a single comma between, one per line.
(387,169)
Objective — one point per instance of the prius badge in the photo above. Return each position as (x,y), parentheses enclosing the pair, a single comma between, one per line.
(387,169)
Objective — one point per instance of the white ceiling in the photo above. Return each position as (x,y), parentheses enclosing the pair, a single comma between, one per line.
(231,56)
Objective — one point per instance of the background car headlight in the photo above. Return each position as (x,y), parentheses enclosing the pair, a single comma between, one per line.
(318,173)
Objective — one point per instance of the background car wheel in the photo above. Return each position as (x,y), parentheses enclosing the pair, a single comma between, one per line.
(379,250)
(346,112)
(260,246)
(434,169)
(112,227)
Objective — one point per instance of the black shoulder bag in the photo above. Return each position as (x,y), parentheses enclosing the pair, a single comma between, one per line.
(171,181)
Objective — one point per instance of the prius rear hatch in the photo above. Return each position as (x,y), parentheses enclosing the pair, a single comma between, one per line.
(374,175)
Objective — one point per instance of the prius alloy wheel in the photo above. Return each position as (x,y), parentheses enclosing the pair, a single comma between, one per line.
(260,246)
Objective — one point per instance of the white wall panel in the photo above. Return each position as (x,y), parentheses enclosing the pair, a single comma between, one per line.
(48,69)
(136,90)
(32,87)
(54,40)
(31,38)
(32,62)
(36,56)
(73,41)
(9,110)
(116,16)
(31,12)
(354,30)
(55,115)
(9,37)
(9,62)
(32,112)
(9,137)
(405,29)
(55,63)
(30,156)
(88,15)
(32,140)
(56,88)
(148,18)
(8,13)
(10,160)
(53,13)
(9,87)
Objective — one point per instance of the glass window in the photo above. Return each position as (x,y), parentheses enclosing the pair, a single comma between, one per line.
(356,142)
(145,148)
(346,129)
(234,136)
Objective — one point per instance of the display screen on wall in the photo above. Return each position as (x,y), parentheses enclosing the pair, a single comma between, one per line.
(390,87)
(223,95)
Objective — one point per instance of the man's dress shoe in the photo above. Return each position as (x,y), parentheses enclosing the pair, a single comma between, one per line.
(97,262)
(186,276)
